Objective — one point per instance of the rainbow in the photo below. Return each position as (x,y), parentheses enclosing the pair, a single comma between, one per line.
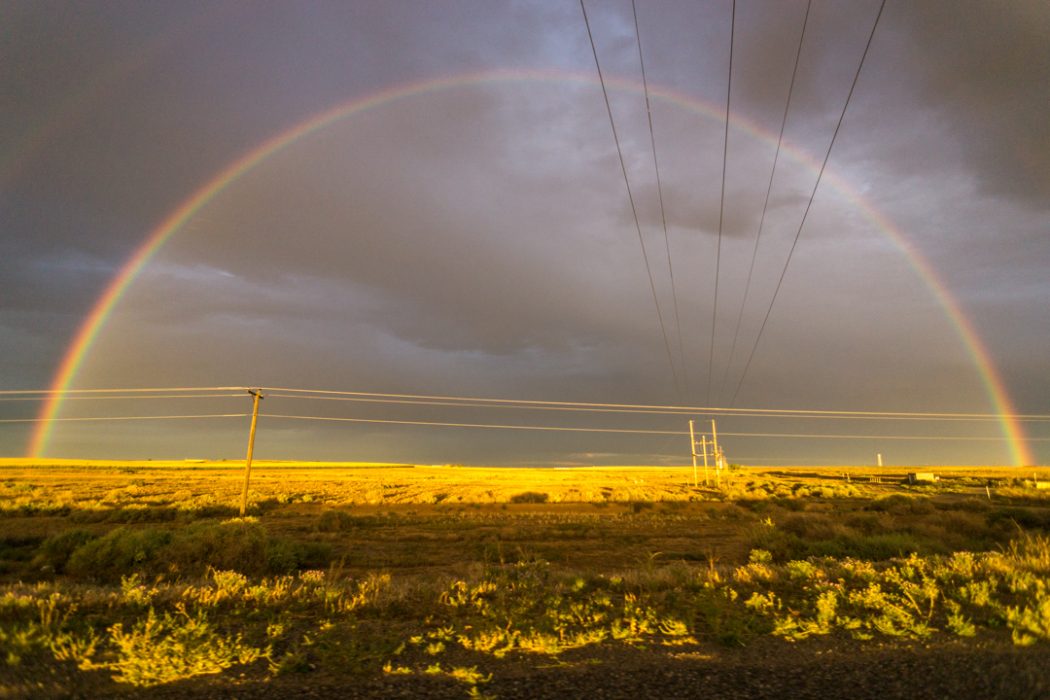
(89,329)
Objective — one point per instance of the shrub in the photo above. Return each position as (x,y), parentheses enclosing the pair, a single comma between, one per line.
(872,547)
(813,526)
(529,497)
(164,649)
(119,552)
(900,504)
(334,521)
(237,545)
(1026,518)
(57,549)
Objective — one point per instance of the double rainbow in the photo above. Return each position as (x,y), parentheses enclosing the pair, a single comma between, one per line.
(118,285)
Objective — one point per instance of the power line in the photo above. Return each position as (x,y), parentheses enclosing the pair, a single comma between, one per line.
(549,428)
(721,206)
(120,418)
(633,431)
(660,196)
(481,402)
(663,412)
(844,436)
(478,425)
(809,204)
(765,204)
(694,409)
(135,397)
(63,392)
(630,197)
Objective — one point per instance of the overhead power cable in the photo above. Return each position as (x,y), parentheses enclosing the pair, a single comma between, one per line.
(765,204)
(134,397)
(66,392)
(662,412)
(630,197)
(809,204)
(693,409)
(120,418)
(721,206)
(633,431)
(660,197)
(836,436)
(552,428)
(451,400)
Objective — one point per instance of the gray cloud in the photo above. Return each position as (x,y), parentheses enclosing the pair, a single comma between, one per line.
(478,240)
(984,68)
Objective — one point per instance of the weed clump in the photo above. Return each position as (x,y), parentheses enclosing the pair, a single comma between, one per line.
(167,648)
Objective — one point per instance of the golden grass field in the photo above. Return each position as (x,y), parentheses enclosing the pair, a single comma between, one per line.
(120,577)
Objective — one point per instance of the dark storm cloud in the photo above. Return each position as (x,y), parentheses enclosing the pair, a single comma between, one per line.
(479,239)
(442,217)
(984,66)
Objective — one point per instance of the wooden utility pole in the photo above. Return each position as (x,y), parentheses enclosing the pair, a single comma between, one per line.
(718,453)
(257,394)
(703,441)
(692,450)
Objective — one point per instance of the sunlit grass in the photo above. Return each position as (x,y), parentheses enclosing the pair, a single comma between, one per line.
(143,576)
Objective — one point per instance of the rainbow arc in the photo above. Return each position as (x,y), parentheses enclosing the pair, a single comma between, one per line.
(95,320)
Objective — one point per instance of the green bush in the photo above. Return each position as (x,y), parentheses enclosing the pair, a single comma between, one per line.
(118,553)
(529,497)
(1026,518)
(801,537)
(56,550)
(237,545)
(335,521)
(900,504)
(871,547)
(814,526)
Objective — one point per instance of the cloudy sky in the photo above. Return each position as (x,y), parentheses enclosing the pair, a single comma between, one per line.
(464,228)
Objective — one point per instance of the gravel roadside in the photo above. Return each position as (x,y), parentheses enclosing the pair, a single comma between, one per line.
(766,669)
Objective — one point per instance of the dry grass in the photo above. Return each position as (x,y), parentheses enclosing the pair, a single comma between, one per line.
(109,569)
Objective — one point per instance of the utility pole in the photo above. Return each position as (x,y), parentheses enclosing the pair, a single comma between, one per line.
(714,437)
(703,441)
(692,449)
(718,453)
(257,394)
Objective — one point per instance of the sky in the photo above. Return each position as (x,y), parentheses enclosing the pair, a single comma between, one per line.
(431,201)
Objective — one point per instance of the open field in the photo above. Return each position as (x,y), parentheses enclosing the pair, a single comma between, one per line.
(124,578)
